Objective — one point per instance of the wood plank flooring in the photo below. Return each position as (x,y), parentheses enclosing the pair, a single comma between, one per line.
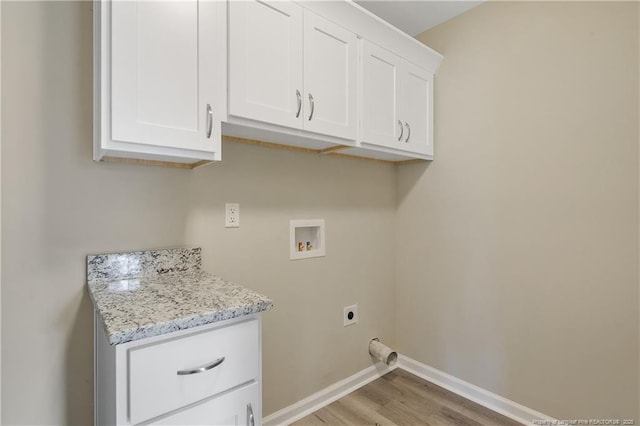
(402,399)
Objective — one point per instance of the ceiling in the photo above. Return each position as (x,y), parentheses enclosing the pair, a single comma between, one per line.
(414,17)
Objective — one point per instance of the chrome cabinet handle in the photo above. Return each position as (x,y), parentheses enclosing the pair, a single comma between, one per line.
(401,130)
(312,106)
(202,368)
(299,103)
(408,132)
(250,419)
(209,121)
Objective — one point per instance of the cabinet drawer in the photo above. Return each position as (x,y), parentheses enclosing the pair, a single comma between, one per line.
(231,409)
(156,388)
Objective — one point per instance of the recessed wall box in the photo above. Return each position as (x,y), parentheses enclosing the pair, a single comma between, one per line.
(306,238)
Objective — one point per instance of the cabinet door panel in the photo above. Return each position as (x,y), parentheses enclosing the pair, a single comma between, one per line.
(380,96)
(161,73)
(229,410)
(416,110)
(265,61)
(330,72)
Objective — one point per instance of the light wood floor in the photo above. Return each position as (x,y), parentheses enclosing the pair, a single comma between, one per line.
(400,398)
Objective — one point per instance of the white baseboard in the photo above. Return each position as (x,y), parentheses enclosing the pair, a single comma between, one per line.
(494,402)
(326,396)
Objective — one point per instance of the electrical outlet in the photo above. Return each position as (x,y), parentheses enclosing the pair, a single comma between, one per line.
(350,315)
(232,215)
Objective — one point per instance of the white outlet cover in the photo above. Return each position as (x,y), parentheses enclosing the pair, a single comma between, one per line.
(345,316)
(232,215)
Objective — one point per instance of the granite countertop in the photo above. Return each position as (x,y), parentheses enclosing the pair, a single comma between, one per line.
(144,294)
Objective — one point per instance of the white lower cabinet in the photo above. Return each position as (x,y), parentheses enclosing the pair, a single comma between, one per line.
(209,375)
(233,408)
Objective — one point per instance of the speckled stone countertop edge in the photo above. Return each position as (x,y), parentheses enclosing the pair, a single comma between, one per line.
(163,328)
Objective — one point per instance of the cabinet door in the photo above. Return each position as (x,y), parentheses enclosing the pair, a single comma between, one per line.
(379,97)
(162,63)
(234,408)
(416,109)
(265,61)
(330,72)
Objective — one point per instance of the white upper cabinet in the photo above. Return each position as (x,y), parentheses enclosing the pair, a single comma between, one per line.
(156,94)
(265,61)
(379,107)
(292,68)
(330,73)
(397,99)
(171,76)
(416,109)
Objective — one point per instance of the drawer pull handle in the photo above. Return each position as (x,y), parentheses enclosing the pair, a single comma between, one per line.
(201,369)
(251,421)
